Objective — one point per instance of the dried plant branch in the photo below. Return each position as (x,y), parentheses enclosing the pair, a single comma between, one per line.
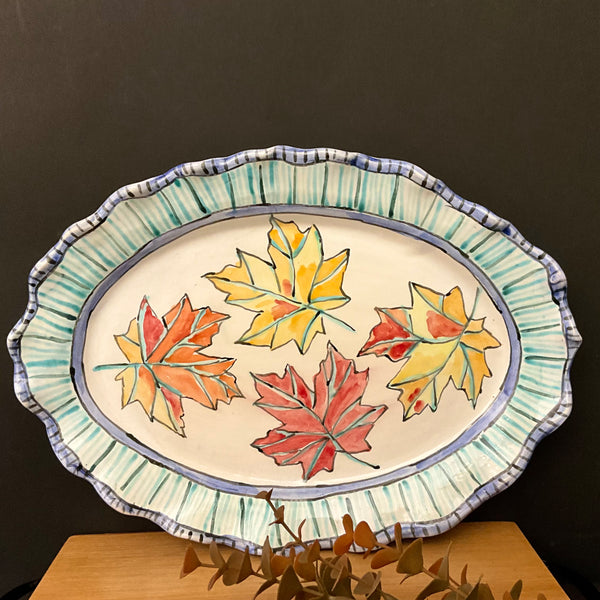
(304,573)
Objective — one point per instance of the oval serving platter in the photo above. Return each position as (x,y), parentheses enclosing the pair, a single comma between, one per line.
(343,330)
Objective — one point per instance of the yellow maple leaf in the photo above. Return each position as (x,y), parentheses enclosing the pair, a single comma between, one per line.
(292,293)
(441,344)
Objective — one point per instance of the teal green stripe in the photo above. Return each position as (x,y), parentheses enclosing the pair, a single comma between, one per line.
(56,300)
(338,201)
(76,277)
(156,215)
(486,238)
(427,213)
(181,205)
(147,225)
(454,228)
(394,197)
(400,486)
(58,313)
(325,180)
(53,324)
(184,500)
(87,258)
(157,488)
(363,192)
(194,193)
(357,189)
(112,242)
(175,220)
(102,456)
(332,522)
(133,475)
(49,363)
(230,191)
(426,486)
(117,230)
(313,520)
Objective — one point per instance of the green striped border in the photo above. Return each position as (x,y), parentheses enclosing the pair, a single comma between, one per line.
(427,502)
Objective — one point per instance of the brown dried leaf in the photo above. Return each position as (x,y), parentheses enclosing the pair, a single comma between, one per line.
(364,536)
(434,568)
(279,563)
(265,586)
(314,551)
(433,587)
(215,554)
(332,586)
(265,559)
(443,568)
(484,592)
(304,563)
(343,543)
(190,562)
(368,583)
(376,594)
(216,575)
(278,512)
(341,569)
(461,593)
(541,597)
(387,596)
(481,591)
(411,560)
(383,557)
(289,585)
(473,593)
(264,494)
(238,567)
(347,523)
(516,589)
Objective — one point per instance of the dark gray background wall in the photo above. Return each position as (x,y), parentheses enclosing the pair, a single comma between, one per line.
(498,99)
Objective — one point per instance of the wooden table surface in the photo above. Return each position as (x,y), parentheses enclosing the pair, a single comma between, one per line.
(138,566)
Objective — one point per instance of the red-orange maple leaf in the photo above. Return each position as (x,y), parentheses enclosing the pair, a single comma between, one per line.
(165,363)
(316,425)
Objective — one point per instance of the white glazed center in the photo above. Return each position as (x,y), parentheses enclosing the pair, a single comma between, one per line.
(218,442)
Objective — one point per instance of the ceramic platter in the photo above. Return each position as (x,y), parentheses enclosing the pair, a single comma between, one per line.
(341,329)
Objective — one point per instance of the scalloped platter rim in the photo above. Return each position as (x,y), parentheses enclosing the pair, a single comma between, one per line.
(341,329)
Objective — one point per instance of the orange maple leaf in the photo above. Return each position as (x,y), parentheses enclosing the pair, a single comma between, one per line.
(165,363)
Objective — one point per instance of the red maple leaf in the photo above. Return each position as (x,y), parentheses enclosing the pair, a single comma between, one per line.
(316,425)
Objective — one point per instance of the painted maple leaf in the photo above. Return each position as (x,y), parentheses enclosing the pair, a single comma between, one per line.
(292,293)
(441,343)
(166,365)
(316,424)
